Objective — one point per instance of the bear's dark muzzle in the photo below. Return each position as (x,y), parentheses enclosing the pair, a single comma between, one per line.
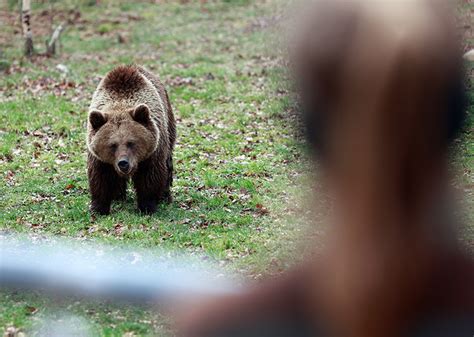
(123,165)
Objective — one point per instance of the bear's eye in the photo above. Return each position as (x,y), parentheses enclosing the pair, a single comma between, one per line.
(113,146)
(130,144)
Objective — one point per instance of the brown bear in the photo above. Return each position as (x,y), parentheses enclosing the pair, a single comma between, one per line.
(131,133)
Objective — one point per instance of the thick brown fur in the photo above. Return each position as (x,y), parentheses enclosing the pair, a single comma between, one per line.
(123,80)
(130,121)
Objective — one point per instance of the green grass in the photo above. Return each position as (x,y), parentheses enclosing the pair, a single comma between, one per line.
(465,162)
(236,149)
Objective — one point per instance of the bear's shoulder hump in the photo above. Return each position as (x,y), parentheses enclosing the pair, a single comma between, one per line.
(124,80)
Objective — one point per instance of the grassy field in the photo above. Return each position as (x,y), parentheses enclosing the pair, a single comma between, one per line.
(237,160)
(239,166)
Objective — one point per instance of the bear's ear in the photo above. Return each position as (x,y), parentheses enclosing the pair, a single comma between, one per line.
(97,119)
(141,114)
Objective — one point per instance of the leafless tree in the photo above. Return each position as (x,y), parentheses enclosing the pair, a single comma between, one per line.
(51,45)
(26,24)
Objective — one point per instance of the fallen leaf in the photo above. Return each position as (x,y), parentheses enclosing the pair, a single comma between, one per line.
(30,310)
(261,209)
(118,229)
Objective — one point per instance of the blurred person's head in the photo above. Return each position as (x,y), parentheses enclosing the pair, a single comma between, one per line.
(381,86)
(382,91)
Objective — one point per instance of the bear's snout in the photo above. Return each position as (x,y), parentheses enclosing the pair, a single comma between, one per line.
(124,165)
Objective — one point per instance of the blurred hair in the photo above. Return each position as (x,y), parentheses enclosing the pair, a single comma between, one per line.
(325,44)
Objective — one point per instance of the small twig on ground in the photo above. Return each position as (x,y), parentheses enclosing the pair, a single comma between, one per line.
(469,55)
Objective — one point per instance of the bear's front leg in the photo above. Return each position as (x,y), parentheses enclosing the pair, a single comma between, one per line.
(104,185)
(150,184)
(166,195)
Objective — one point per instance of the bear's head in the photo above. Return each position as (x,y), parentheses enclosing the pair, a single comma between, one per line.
(122,139)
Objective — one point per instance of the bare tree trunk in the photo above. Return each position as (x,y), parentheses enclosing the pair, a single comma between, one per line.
(51,46)
(26,24)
